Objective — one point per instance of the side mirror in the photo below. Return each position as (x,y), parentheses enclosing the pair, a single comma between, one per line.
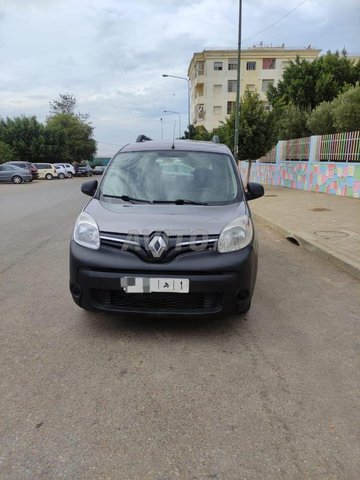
(254,190)
(89,187)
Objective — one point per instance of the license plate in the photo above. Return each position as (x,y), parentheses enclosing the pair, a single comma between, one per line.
(150,285)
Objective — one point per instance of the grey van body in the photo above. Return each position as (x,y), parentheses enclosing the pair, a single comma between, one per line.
(161,253)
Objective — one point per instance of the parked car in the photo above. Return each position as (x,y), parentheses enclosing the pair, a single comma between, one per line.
(150,241)
(99,170)
(46,170)
(84,170)
(12,173)
(61,171)
(30,167)
(68,167)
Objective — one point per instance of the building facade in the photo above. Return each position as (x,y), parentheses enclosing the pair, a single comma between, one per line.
(213,78)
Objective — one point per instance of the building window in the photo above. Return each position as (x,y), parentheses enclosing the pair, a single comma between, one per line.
(250,65)
(269,63)
(218,65)
(250,87)
(199,90)
(266,84)
(217,110)
(200,110)
(230,107)
(217,89)
(232,85)
(233,63)
(200,68)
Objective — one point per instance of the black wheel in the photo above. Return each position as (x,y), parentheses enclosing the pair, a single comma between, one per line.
(16,179)
(70,174)
(48,176)
(31,180)
(61,176)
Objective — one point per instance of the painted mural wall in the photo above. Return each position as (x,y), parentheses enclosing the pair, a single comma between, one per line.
(333,178)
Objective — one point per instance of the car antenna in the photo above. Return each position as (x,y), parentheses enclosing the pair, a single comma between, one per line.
(173,144)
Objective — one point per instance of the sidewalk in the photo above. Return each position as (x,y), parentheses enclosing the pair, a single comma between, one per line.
(327,225)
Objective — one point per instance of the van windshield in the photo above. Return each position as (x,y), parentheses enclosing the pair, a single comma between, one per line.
(168,176)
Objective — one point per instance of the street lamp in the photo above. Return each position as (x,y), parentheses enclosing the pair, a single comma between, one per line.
(188,93)
(177,113)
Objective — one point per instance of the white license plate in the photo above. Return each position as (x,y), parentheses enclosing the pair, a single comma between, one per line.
(150,285)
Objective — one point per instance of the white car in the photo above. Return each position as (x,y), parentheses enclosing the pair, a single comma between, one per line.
(68,167)
(61,171)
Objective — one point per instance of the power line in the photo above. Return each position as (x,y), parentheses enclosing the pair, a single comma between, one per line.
(276,21)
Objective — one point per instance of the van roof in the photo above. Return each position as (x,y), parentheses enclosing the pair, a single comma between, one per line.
(182,145)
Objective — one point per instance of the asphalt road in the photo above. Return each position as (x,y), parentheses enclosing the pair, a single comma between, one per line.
(275,395)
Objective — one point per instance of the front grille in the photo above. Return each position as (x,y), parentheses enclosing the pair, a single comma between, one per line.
(157,302)
(175,246)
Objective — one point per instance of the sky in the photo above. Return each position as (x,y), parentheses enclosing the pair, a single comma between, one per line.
(111,54)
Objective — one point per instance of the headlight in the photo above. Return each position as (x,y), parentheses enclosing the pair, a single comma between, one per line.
(86,231)
(236,235)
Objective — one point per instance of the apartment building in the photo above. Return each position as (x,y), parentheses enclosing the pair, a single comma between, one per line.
(213,78)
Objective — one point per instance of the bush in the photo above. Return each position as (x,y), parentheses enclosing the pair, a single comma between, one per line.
(321,119)
(347,110)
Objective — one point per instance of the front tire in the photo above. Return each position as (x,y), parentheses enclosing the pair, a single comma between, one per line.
(61,176)
(16,179)
(48,176)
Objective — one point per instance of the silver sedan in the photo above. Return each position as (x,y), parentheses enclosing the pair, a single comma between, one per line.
(11,173)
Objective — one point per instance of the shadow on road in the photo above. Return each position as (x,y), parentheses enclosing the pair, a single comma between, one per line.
(143,326)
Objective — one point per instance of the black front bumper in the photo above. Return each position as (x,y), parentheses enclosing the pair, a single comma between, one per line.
(219,283)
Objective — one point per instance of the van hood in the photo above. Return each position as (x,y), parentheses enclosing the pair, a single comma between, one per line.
(119,217)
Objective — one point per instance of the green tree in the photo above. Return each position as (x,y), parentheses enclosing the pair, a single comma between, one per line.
(346,108)
(291,122)
(66,105)
(256,133)
(6,152)
(321,119)
(307,84)
(197,133)
(69,139)
(25,138)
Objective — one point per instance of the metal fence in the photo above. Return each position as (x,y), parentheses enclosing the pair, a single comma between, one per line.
(339,147)
(269,157)
(298,149)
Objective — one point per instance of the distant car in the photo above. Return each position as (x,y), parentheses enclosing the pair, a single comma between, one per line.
(46,170)
(68,167)
(84,171)
(30,167)
(12,173)
(99,170)
(61,172)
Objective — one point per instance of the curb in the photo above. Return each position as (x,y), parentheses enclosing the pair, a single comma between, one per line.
(304,240)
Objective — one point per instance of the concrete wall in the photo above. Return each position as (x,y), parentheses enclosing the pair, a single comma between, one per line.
(334,178)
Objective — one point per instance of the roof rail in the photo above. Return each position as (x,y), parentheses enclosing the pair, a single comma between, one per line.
(215,139)
(143,138)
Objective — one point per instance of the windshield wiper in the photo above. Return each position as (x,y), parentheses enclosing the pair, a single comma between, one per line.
(126,198)
(180,201)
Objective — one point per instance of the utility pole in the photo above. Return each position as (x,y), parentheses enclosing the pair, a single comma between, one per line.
(237,107)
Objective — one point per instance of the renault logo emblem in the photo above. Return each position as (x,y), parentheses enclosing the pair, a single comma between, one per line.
(157,246)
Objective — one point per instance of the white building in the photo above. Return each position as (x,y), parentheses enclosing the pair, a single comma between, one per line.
(213,75)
